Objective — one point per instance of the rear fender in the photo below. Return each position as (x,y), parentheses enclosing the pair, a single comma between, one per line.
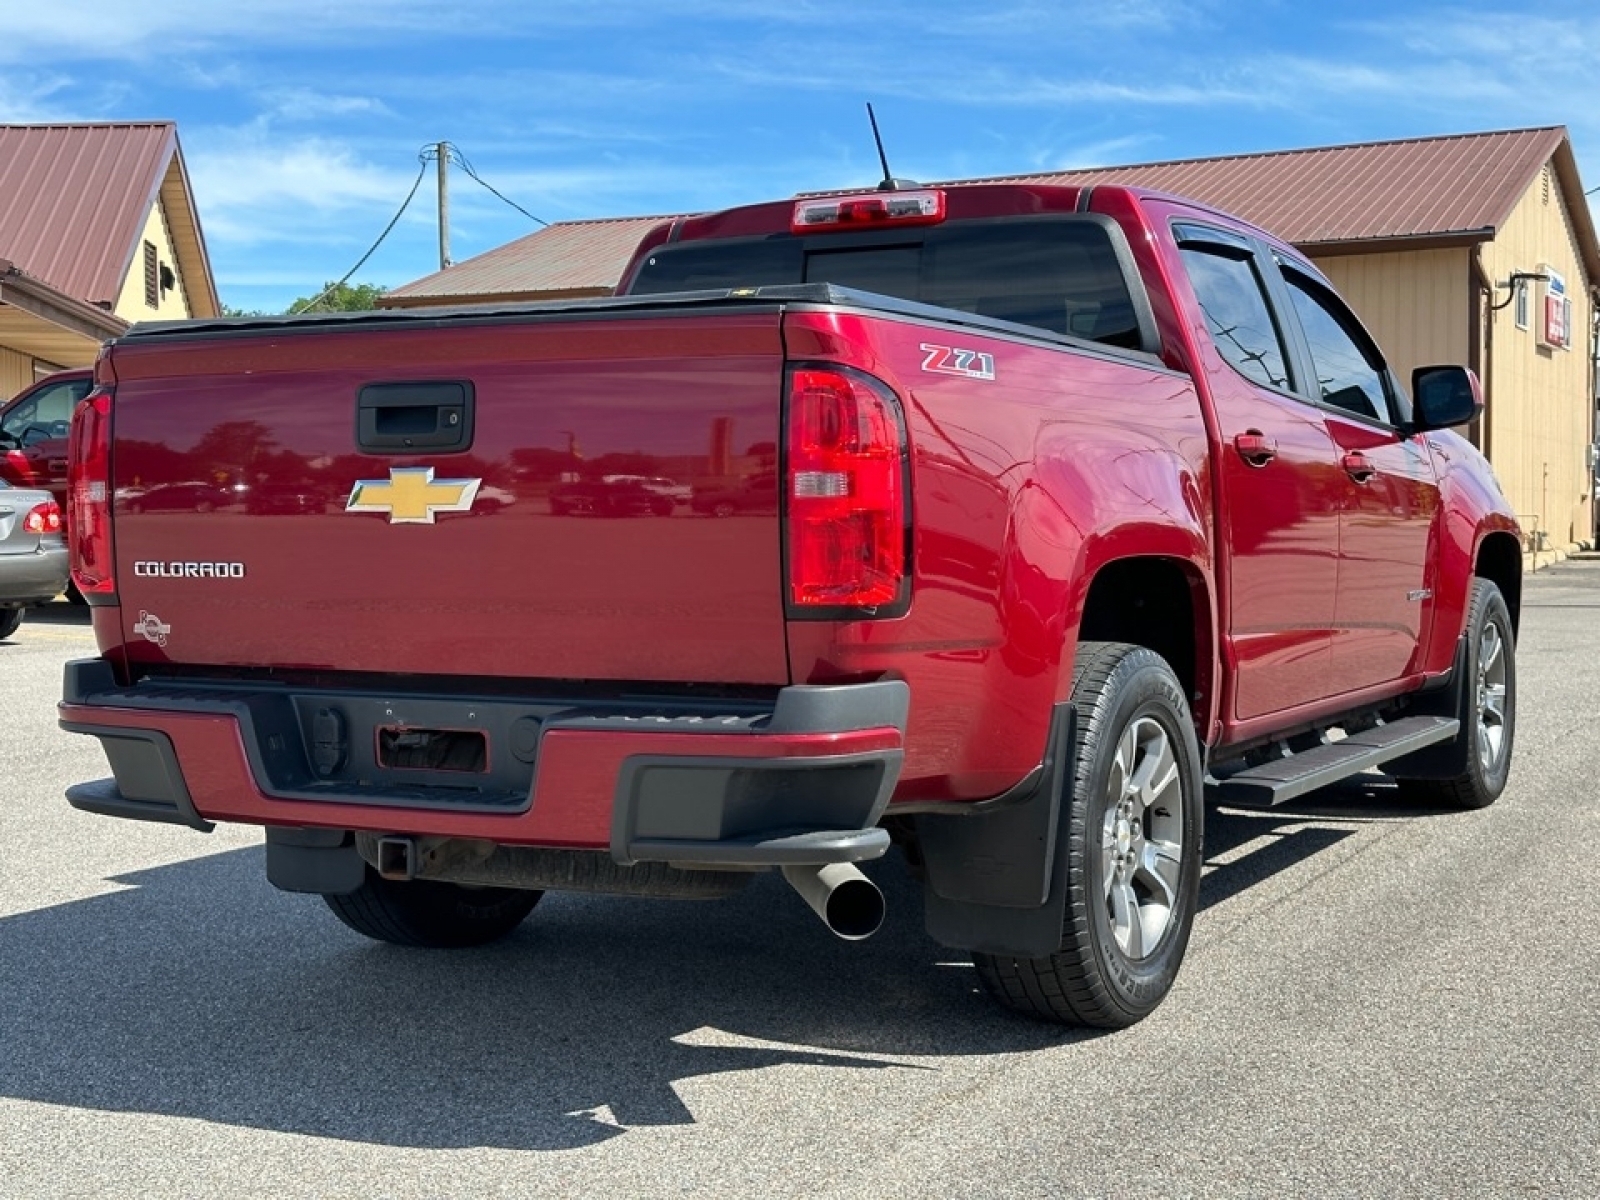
(1112,505)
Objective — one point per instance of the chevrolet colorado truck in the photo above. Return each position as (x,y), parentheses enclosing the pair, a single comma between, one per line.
(1057,511)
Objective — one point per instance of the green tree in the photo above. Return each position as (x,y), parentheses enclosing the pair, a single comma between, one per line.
(340,297)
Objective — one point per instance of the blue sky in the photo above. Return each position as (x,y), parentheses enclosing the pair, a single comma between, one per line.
(301,120)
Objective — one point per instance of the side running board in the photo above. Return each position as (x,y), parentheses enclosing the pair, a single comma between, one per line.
(1284,779)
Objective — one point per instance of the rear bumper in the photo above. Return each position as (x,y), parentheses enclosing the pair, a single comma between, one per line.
(33,578)
(802,780)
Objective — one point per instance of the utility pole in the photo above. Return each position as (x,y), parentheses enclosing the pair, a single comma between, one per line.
(443,160)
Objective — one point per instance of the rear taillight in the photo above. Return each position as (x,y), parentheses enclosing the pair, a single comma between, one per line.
(845,497)
(89,498)
(43,518)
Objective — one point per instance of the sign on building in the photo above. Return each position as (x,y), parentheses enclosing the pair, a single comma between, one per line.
(1555,321)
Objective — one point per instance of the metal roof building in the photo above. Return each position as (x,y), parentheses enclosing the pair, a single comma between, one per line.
(98,228)
(565,260)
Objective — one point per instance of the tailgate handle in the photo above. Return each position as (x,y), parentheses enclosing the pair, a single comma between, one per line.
(402,418)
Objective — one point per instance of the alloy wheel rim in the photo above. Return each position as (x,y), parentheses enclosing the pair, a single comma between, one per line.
(1492,697)
(1141,842)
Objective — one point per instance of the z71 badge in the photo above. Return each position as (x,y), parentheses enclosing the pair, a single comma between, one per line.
(951,360)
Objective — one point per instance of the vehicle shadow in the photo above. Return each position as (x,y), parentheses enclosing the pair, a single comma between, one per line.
(200,991)
(1245,847)
(59,612)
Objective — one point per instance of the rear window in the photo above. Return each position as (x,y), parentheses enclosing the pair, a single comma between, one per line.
(1060,274)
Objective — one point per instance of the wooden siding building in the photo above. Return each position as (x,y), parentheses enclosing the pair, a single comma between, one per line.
(98,229)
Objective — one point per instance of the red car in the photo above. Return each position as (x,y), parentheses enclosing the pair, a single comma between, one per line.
(33,432)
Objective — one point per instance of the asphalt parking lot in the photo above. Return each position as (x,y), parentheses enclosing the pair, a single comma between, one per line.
(1379,1000)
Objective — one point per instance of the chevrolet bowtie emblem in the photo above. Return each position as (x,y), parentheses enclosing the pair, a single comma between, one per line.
(411,495)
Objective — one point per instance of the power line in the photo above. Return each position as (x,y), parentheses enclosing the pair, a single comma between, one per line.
(458,157)
(428,154)
(393,221)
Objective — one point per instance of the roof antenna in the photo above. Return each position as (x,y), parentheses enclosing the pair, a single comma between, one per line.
(890,183)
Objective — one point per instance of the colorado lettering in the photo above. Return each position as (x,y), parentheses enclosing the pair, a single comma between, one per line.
(188,570)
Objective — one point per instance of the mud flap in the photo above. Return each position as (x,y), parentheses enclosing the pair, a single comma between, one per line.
(321,861)
(996,877)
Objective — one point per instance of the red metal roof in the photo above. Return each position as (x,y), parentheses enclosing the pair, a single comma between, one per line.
(570,256)
(1414,188)
(74,200)
(1458,185)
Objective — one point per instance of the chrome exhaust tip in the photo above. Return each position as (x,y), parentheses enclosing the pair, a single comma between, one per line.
(849,903)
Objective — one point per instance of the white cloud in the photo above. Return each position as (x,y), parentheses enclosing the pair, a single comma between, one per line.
(305,104)
(1519,42)
(1081,155)
(107,29)
(34,97)
(1036,17)
(253,188)
(113,29)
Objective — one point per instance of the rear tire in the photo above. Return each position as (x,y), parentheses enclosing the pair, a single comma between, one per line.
(10,621)
(1133,825)
(425,912)
(1479,760)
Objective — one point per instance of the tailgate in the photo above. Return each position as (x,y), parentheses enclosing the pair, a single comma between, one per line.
(564,542)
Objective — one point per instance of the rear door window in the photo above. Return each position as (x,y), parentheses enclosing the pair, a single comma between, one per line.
(1238,317)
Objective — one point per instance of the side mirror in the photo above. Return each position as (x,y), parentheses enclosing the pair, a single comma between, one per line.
(1444,396)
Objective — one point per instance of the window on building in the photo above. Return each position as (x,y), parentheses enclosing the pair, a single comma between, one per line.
(152,276)
(1229,292)
(1350,372)
(1520,311)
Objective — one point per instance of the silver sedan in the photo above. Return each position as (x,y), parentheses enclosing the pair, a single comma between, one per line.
(33,553)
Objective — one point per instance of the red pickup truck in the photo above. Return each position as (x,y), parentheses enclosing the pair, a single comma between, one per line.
(1058,509)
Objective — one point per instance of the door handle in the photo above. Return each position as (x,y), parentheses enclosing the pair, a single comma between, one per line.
(1255,447)
(1358,466)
